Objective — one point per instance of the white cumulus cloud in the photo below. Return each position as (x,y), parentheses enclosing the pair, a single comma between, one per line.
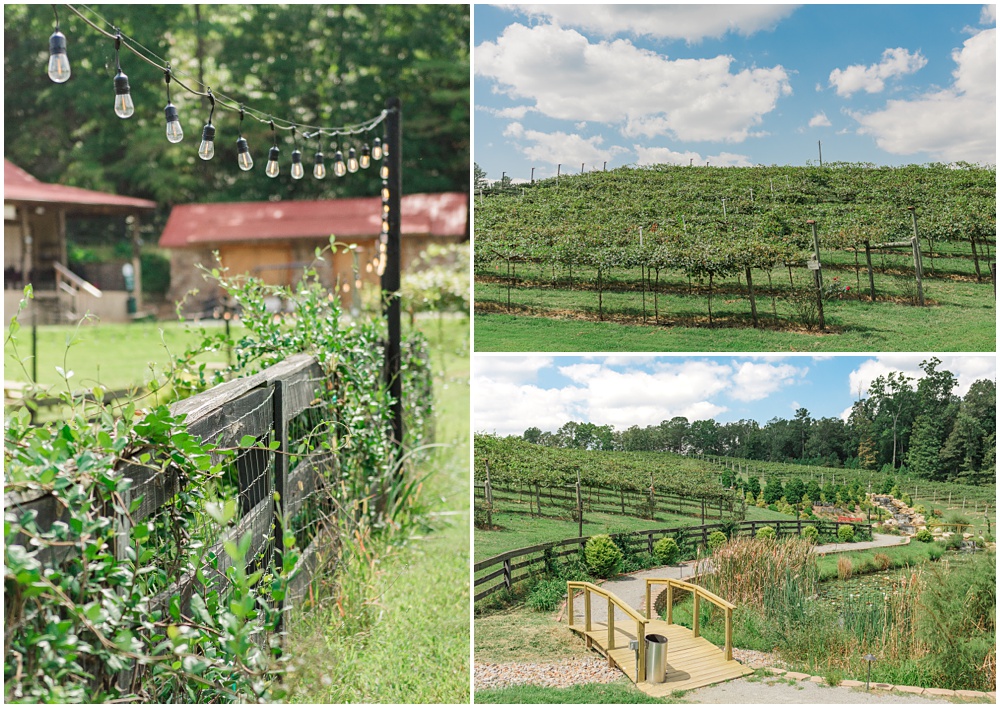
(559,147)
(666,156)
(955,123)
(565,76)
(819,121)
(754,381)
(966,369)
(871,79)
(688,22)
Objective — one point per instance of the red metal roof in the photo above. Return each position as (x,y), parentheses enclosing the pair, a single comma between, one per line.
(193,224)
(19,186)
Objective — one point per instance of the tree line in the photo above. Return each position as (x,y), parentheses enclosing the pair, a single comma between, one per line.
(903,426)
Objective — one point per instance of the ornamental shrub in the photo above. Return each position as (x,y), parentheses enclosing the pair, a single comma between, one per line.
(604,558)
(766,532)
(845,533)
(924,535)
(716,540)
(811,534)
(666,551)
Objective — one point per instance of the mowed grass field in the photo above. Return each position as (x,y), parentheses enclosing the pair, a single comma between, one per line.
(549,314)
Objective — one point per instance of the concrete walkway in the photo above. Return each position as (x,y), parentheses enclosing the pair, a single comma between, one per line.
(632,588)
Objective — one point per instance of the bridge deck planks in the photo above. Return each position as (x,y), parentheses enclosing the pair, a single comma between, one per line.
(692,662)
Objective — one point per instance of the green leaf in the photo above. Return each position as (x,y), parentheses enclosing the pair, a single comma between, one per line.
(248,441)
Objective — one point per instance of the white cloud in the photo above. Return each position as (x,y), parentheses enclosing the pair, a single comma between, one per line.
(688,22)
(511,369)
(988,15)
(567,77)
(752,382)
(956,123)
(559,147)
(819,121)
(506,408)
(666,156)
(966,369)
(871,79)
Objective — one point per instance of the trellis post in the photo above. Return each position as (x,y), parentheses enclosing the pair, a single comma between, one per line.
(817,274)
(391,275)
(918,265)
(871,273)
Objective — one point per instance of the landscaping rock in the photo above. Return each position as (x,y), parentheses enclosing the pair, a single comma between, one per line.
(938,692)
(851,683)
(972,694)
(796,675)
(910,689)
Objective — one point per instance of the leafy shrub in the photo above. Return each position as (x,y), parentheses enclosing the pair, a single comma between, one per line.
(546,595)
(766,532)
(666,551)
(833,676)
(811,534)
(845,533)
(604,558)
(934,552)
(716,540)
(882,561)
(953,542)
(924,535)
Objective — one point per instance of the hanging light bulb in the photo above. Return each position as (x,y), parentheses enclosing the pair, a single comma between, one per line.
(124,108)
(385,146)
(385,194)
(384,172)
(298,172)
(339,168)
(352,161)
(175,133)
(58,61)
(319,169)
(366,156)
(377,149)
(206,151)
(243,158)
(272,156)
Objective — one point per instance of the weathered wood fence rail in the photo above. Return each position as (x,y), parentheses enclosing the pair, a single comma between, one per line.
(539,558)
(284,404)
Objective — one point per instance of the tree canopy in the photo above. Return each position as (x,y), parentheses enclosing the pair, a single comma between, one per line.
(312,64)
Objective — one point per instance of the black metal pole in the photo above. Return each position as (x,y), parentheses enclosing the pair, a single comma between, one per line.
(391,275)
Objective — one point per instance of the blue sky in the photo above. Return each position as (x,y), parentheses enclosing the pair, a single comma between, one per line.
(731,85)
(514,392)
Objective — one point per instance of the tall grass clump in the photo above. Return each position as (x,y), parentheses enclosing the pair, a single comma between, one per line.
(749,571)
(958,622)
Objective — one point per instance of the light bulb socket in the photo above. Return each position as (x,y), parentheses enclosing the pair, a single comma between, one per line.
(171,113)
(319,158)
(366,151)
(121,84)
(272,154)
(352,154)
(208,133)
(338,156)
(57,43)
(242,146)
(296,155)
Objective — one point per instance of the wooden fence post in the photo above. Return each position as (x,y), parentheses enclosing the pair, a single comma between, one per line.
(488,492)
(506,573)
(579,503)
(871,273)
(818,274)
(918,266)
(753,301)
(281,461)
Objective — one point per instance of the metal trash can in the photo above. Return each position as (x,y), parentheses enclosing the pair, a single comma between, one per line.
(656,658)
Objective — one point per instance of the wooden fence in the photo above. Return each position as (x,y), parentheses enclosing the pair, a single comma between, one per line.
(597,499)
(540,558)
(286,404)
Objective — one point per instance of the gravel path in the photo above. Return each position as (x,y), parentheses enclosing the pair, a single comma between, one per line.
(568,672)
(879,540)
(775,691)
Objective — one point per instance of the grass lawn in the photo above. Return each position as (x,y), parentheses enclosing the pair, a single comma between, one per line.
(115,356)
(417,648)
(520,530)
(588,693)
(910,555)
(552,316)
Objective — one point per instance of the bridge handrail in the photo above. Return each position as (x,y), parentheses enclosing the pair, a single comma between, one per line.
(697,592)
(640,621)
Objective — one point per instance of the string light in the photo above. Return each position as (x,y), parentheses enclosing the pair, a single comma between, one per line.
(243,158)
(59,70)
(385,146)
(272,156)
(175,133)
(124,108)
(319,169)
(339,168)
(298,172)
(206,151)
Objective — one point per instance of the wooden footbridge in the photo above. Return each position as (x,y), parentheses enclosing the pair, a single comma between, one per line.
(609,624)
